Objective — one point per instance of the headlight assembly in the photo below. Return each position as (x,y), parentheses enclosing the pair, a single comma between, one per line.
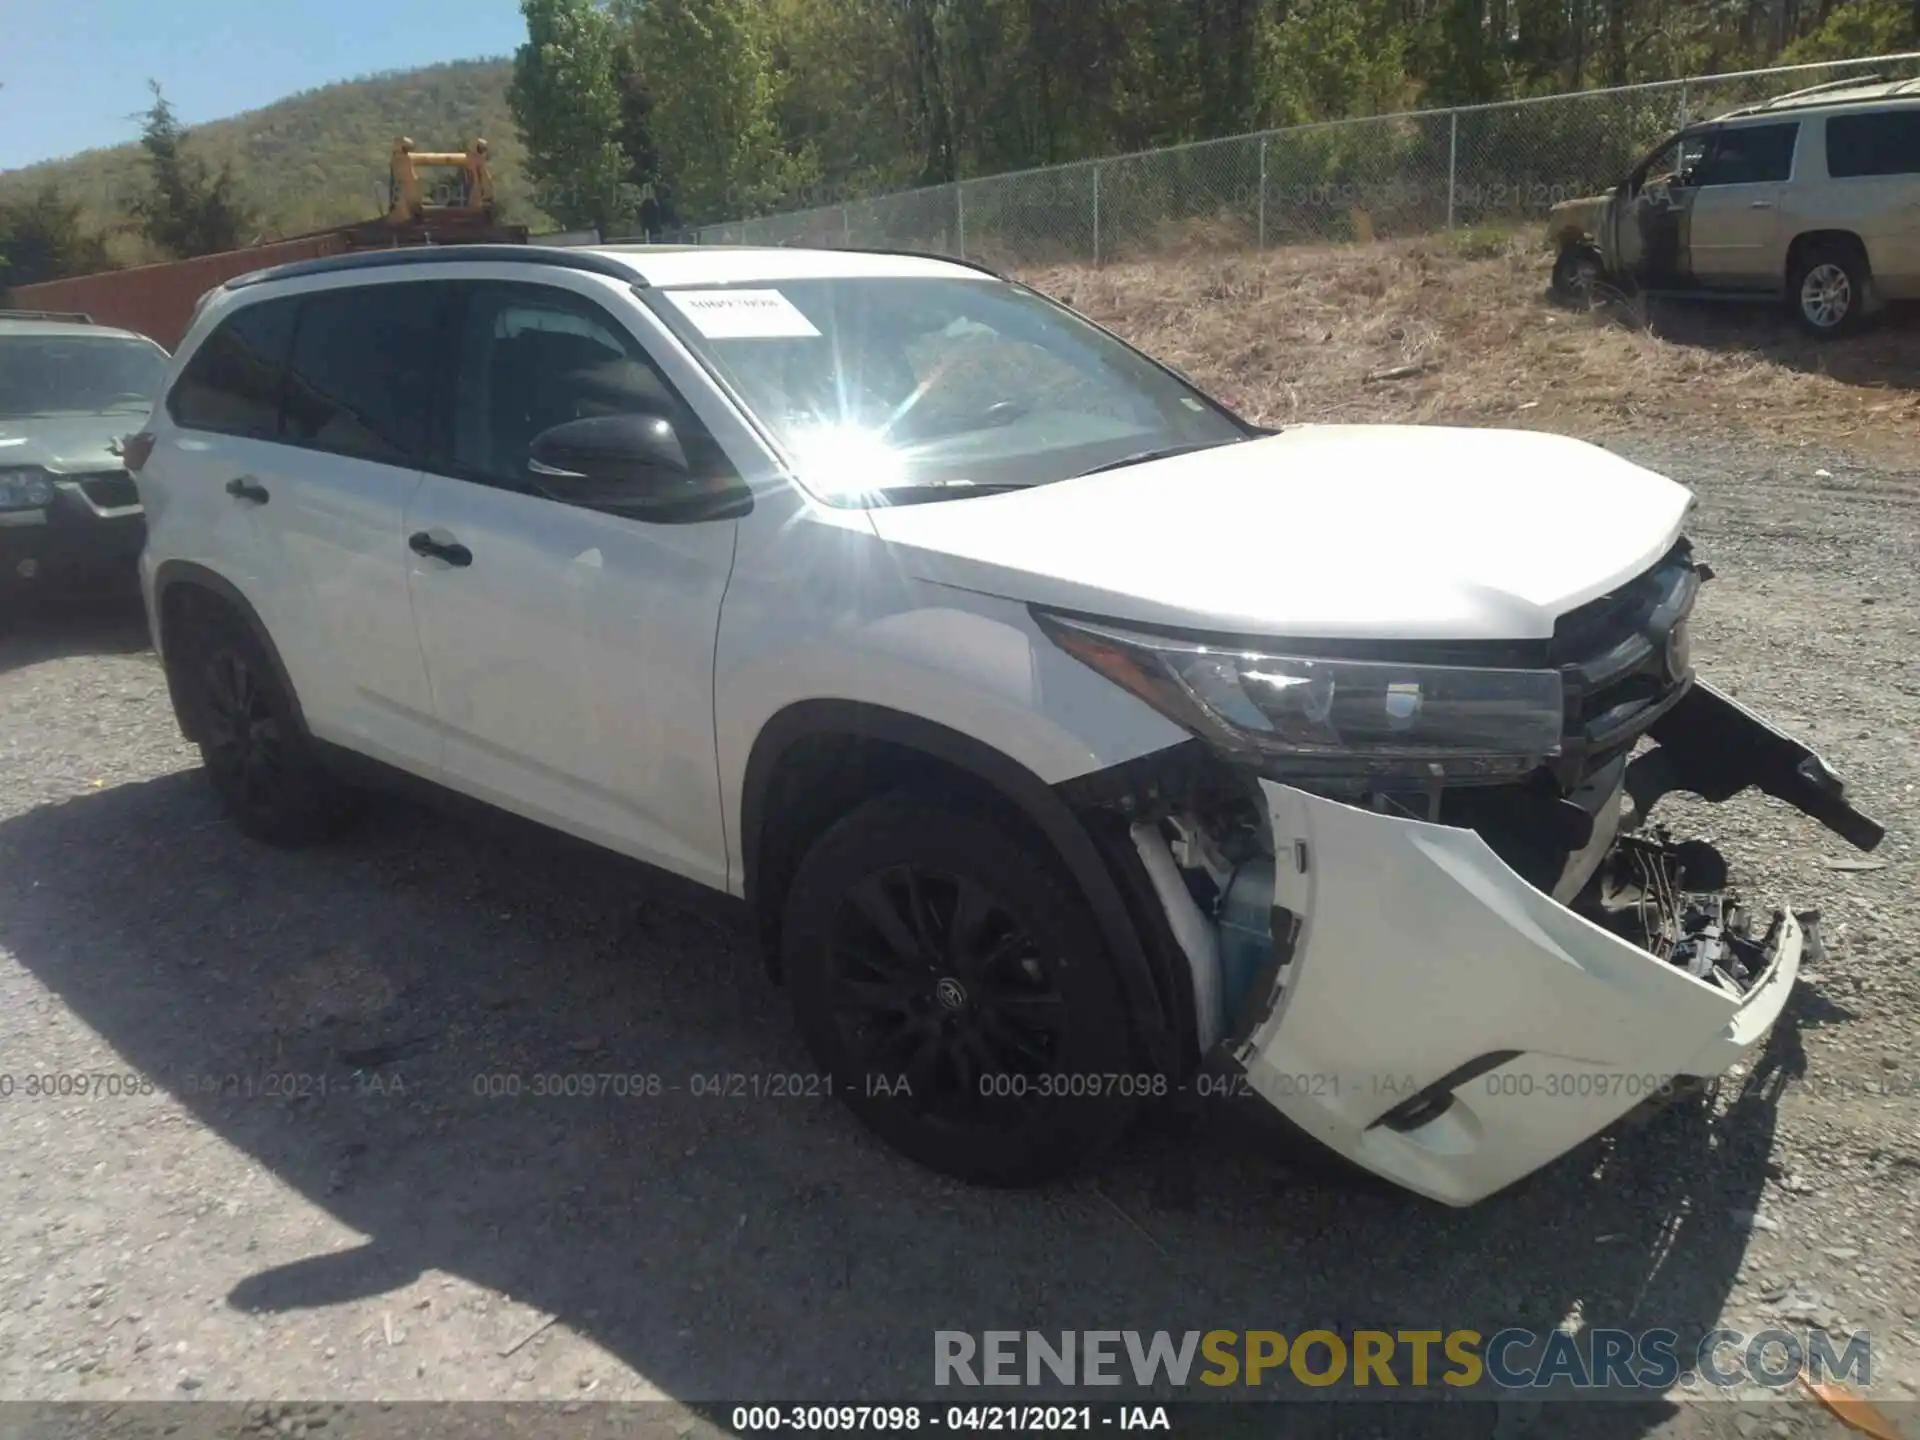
(1323,715)
(23,489)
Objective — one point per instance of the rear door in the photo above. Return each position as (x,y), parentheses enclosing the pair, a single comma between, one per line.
(1734,232)
(361,381)
(219,430)
(570,650)
(1873,189)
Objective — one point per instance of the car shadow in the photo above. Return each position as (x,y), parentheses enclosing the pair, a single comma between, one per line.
(36,626)
(728,1239)
(1883,355)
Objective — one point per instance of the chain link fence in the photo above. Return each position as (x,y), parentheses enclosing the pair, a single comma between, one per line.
(1501,165)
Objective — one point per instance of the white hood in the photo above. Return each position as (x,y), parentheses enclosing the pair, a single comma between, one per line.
(1360,531)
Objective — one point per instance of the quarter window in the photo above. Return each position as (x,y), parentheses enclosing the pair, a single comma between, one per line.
(1884,144)
(362,376)
(234,381)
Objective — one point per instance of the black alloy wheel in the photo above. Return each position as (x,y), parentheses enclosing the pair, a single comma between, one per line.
(264,768)
(933,978)
(951,982)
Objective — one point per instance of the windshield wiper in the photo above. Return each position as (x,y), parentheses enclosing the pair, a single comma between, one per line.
(935,490)
(1160,452)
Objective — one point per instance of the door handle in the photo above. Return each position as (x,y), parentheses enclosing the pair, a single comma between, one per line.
(1761,205)
(453,552)
(245,487)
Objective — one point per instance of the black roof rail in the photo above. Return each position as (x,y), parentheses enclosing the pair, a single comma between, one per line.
(561,258)
(983,268)
(553,255)
(1849,83)
(72,317)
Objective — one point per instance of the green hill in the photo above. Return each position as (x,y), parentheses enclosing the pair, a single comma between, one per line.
(319,157)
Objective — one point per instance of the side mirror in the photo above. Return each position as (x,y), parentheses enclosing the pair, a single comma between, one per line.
(631,464)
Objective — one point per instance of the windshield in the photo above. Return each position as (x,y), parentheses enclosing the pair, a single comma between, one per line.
(76,375)
(880,386)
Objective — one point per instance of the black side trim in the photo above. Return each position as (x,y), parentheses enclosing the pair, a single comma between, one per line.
(1434,1101)
(173,573)
(366,773)
(1009,779)
(423,255)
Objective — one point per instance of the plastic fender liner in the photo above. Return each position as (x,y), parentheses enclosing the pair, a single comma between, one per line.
(1714,746)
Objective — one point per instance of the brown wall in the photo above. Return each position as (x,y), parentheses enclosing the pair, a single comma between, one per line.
(158,300)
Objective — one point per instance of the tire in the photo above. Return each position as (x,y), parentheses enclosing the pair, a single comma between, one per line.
(264,768)
(1577,270)
(1828,290)
(1001,1011)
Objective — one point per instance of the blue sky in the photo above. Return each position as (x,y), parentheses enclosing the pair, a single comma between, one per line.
(73,73)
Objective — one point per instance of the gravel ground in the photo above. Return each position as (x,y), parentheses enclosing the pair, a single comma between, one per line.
(391,1232)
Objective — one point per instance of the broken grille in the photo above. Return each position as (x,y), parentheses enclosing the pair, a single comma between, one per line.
(109,489)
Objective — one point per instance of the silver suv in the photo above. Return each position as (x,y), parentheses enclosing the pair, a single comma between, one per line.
(1813,197)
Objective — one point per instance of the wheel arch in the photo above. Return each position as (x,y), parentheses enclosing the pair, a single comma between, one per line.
(815,760)
(1814,239)
(179,588)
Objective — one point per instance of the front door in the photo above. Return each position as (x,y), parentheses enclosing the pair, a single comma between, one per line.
(570,650)
(1734,233)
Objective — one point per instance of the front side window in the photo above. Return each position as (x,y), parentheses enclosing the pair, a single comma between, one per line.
(1674,162)
(361,379)
(1887,143)
(533,357)
(886,386)
(1749,155)
(77,375)
(234,381)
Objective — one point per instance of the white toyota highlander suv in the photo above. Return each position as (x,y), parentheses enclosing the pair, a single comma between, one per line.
(1071,740)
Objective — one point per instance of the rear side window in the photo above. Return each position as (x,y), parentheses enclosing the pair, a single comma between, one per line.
(233,383)
(1884,144)
(362,376)
(1750,155)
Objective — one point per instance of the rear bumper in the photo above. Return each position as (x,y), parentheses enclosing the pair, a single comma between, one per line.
(71,542)
(1441,1021)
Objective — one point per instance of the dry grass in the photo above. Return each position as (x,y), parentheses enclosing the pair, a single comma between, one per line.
(1304,334)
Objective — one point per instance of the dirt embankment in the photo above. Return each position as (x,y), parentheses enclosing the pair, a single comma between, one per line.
(1457,330)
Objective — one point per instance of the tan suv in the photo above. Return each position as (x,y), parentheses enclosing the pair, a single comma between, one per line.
(1813,197)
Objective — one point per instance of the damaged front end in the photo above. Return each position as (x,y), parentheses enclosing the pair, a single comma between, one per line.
(1455,971)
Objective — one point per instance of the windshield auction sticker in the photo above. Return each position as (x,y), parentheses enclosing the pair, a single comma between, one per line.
(742,314)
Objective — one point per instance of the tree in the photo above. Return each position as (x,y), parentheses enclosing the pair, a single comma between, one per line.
(189,210)
(708,67)
(42,238)
(655,209)
(567,100)
(1862,27)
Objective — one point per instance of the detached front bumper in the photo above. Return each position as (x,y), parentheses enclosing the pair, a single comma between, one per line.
(1442,1022)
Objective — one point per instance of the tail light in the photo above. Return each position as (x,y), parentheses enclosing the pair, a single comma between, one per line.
(135,449)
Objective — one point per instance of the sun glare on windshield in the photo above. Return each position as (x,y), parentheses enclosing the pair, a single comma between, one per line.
(840,460)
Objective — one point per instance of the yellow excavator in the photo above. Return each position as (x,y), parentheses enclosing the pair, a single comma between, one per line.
(407,202)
